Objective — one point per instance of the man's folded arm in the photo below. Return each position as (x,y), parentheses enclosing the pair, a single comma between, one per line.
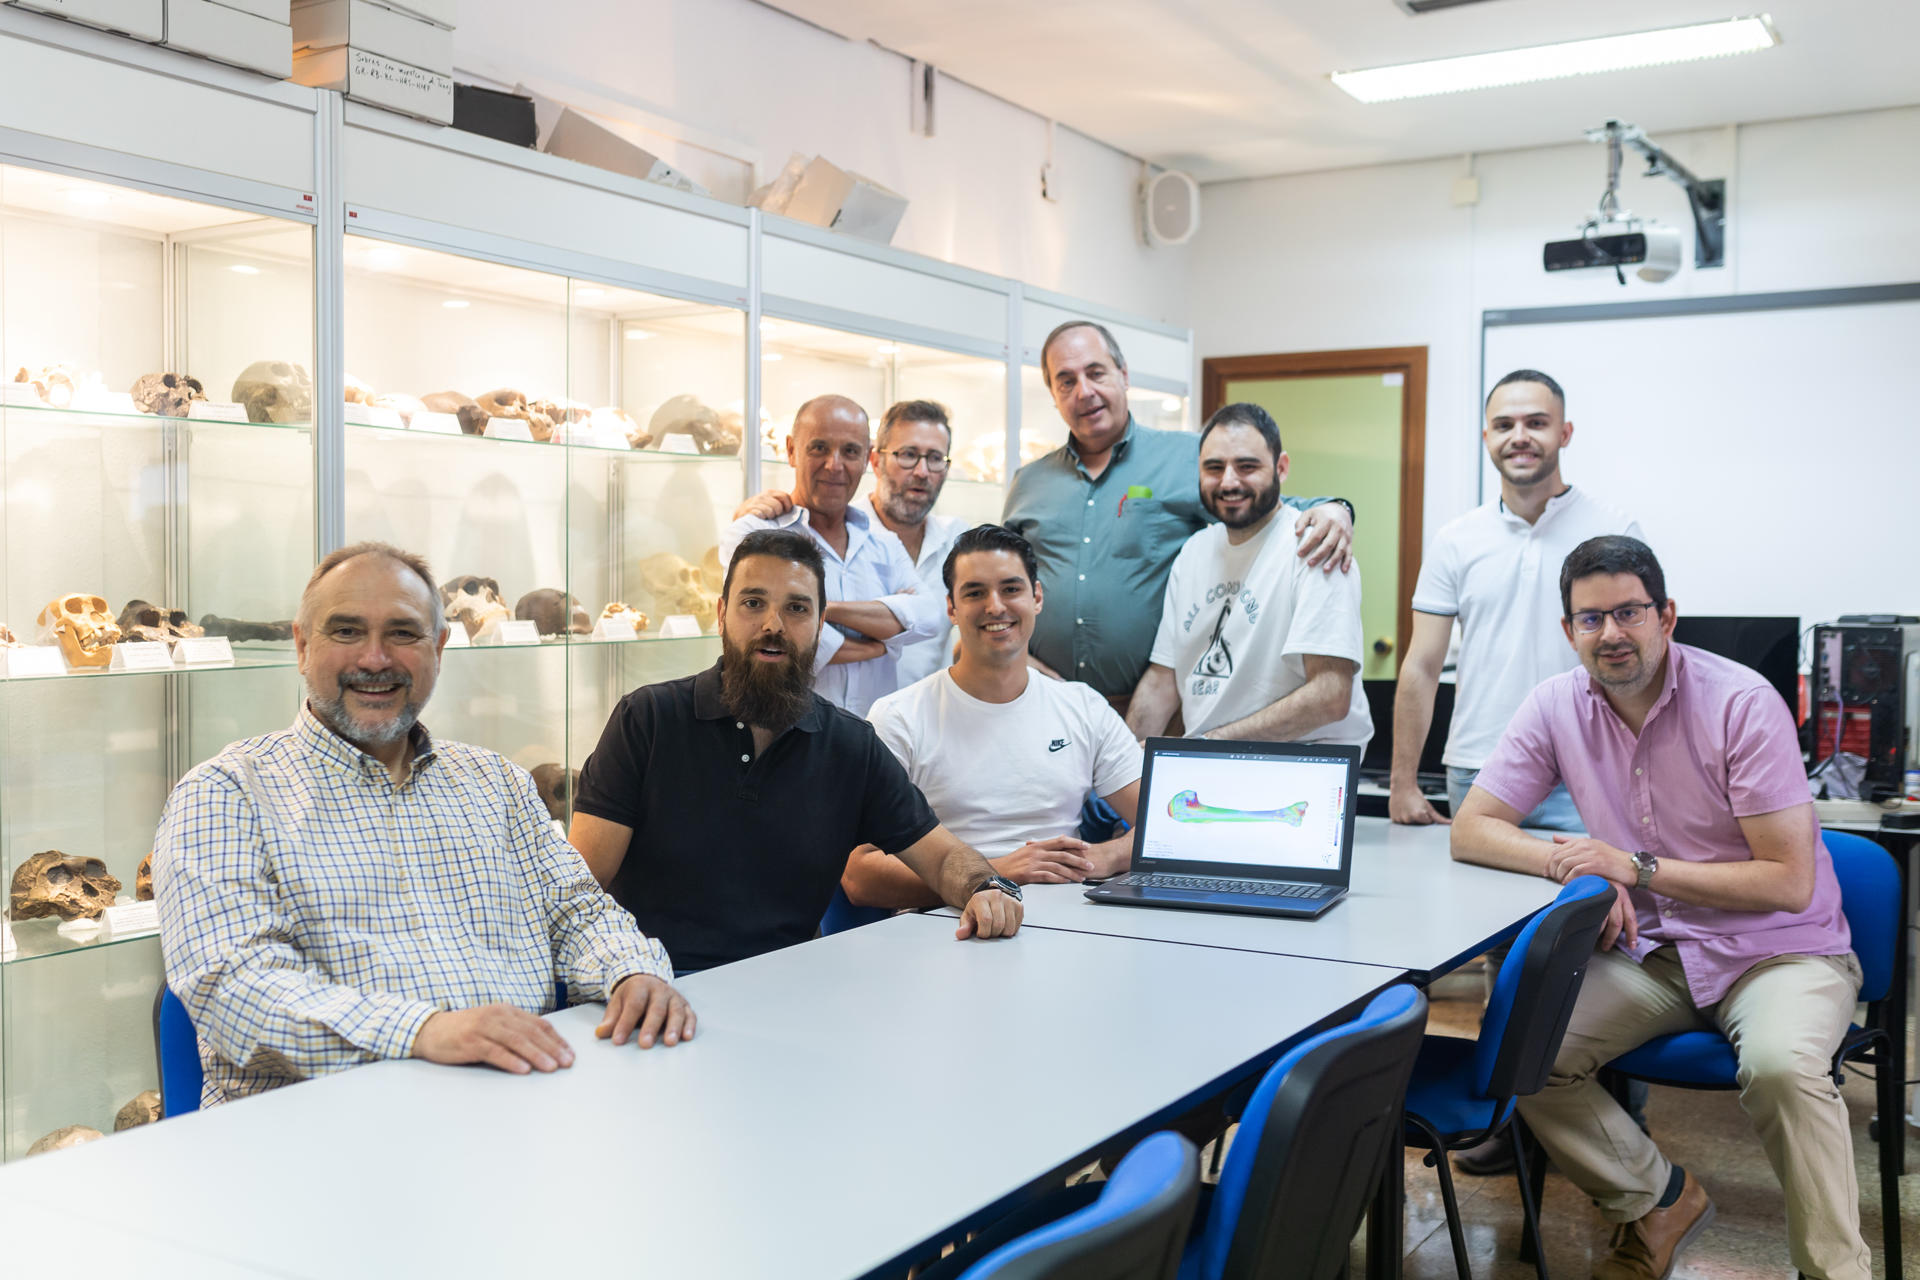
(229,953)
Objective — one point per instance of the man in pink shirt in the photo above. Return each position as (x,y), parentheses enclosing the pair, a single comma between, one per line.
(1686,771)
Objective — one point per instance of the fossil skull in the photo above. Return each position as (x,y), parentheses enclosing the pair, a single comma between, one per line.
(625,615)
(473,419)
(358,392)
(82,627)
(72,1135)
(475,603)
(505,402)
(54,384)
(143,621)
(143,879)
(555,784)
(553,612)
(143,1108)
(53,884)
(275,391)
(6,638)
(685,415)
(677,587)
(167,394)
(237,629)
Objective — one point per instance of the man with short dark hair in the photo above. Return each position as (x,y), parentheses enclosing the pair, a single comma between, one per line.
(353,889)
(1004,755)
(1108,511)
(1686,770)
(1495,570)
(1253,642)
(912,457)
(719,808)
(874,606)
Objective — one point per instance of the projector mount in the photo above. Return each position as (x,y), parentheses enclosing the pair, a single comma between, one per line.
(1706,197)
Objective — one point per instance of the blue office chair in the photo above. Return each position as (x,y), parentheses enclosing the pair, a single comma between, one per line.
(1134,1231)
(176,1051)
(1320,1131)
(1871,899)
(843,915)
(1463,1091)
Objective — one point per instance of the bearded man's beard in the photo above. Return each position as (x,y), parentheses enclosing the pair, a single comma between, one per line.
(771,695)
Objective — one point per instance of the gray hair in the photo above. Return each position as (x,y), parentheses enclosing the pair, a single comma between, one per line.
(304,615)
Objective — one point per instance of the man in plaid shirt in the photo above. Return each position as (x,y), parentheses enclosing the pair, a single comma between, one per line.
(352,889)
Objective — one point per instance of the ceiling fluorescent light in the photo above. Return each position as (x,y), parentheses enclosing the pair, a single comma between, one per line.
(1558,61)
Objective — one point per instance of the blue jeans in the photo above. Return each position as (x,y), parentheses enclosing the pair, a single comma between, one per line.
(1555,813)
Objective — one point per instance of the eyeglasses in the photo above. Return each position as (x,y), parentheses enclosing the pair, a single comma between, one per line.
(910,458)
(1627,615)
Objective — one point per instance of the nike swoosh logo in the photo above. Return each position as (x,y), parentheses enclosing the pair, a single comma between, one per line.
(1058,744)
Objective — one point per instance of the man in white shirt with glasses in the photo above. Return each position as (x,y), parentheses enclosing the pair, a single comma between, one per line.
(876,608)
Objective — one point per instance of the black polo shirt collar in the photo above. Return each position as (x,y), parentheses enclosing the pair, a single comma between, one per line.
(709,705)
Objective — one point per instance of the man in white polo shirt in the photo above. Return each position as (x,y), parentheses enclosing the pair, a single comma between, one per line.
(1253,643)
(1004,754)
(1497,569)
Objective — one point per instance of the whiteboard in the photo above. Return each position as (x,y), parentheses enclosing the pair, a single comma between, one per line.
(1772,458)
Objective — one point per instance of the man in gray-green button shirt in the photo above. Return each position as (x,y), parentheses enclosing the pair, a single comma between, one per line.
(1109,510)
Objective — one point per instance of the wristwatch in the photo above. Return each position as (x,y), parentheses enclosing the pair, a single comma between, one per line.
(1646,864)
(1001,883)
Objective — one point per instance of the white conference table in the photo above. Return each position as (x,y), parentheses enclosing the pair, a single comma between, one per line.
(1410,907)
(845,1103)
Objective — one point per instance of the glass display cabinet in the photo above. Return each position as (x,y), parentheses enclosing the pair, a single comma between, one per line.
(157,466)
(563,452)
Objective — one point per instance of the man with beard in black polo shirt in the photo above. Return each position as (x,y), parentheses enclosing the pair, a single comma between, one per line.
(719,808)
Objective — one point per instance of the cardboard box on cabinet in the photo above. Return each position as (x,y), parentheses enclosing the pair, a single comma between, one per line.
(141,19)
(373,28)
(229,35)
(381,82)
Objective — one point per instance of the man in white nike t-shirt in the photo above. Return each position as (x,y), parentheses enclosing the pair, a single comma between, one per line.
(1252,644)
(1004,754)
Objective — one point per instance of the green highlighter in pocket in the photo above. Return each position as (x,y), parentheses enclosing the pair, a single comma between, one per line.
(1134,491)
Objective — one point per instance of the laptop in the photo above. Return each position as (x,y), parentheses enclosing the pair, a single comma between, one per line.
(1260,828)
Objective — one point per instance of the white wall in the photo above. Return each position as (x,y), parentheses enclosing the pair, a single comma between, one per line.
(742,79)
(1380,257)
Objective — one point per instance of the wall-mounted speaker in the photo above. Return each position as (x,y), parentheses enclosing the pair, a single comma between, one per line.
(1171,212)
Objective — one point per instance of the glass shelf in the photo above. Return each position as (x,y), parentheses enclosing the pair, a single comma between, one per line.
(44,414)
(575,640)
(243,660)
(622,452)
(42,940)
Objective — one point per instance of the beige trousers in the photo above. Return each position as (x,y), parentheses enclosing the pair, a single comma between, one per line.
(1785,1017)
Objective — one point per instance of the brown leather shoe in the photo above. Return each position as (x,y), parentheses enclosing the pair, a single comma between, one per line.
(1648,1248)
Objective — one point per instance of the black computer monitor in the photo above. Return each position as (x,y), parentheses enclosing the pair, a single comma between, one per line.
(1377,763)
(1770,646)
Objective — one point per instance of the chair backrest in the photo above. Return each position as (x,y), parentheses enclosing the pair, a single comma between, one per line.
(1313,1142)
(1136,1230)
(1870,898)
(843,915)
(177,1048)
(1533,996)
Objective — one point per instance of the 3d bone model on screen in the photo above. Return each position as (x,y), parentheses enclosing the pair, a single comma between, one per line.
(1186,807)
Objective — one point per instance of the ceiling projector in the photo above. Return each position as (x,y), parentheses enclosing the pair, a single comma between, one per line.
(1654,249)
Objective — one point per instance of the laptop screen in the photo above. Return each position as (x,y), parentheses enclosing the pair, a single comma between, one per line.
(1275,810)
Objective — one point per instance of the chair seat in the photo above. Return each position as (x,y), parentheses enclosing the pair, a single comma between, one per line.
(1696,1059)
(1442,1091)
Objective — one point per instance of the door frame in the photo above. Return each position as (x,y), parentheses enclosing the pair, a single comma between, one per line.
(1411,364)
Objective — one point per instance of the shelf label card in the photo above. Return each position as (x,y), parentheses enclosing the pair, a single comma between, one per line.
(216,411)
(8,947)
(516,631)
(131,919)
(614,629)
(141,655)
(680,626)
(677,444)
(204,651)
(509,429)
(457,636)
(439,424)
(28,660)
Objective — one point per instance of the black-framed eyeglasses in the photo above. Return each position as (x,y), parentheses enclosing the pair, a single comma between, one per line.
(1628,616)
(908,459)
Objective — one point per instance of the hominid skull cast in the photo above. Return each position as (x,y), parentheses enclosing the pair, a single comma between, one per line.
(677,587)
(82,627)
(475,603)
(53,884)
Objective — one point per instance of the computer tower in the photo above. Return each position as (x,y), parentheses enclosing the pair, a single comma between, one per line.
(1866,696)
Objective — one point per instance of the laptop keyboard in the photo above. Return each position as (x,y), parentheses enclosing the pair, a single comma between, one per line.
(1206,884)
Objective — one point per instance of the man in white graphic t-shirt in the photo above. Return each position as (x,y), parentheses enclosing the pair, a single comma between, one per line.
(1251,644)
(1004,754)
